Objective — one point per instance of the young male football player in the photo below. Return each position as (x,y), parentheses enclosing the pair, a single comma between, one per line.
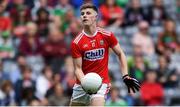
(90,50)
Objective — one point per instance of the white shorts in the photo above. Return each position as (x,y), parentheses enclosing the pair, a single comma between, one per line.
(80,96)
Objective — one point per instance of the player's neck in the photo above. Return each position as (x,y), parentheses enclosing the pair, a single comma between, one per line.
(90,30)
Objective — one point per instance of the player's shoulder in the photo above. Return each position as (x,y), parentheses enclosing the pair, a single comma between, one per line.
(77,38)
(104,31)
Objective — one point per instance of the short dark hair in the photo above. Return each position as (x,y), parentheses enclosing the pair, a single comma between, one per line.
(89,5)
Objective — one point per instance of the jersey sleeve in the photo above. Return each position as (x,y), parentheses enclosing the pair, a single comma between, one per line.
(112,40)
(75,51)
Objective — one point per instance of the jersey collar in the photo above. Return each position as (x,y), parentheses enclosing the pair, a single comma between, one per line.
(89,35)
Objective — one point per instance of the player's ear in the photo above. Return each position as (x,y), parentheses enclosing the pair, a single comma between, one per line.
(96,14)
(98,17)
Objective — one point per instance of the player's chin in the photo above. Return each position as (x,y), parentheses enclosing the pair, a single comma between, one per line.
(86,23)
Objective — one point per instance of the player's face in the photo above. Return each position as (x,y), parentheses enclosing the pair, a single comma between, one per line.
(88,17)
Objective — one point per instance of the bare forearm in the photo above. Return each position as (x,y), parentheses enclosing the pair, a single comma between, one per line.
(78,68)
(79,74)
(123,63)
(122,58)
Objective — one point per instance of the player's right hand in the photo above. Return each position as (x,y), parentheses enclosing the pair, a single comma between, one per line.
(131,83)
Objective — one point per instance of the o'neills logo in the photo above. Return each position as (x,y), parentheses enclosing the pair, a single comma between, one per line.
(95,54)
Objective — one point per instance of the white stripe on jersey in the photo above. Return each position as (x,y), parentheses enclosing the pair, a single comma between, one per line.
(103,31)
(78,38)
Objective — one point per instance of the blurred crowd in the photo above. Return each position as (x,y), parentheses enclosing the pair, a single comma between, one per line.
(35,59)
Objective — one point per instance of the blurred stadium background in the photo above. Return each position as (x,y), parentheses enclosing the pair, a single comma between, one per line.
(35,63)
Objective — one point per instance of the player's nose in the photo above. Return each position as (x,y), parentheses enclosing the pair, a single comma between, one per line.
(84,16)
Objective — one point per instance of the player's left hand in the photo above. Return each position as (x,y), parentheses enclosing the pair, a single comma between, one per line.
(131,83)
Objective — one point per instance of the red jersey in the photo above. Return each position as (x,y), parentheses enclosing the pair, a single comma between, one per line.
(94,51)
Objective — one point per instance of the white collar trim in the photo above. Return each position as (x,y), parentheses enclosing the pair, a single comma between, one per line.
(90,35)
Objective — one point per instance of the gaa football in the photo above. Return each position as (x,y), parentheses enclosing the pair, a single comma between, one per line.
(91,83)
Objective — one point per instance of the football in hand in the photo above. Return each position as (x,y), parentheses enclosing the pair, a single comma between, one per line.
(91,83)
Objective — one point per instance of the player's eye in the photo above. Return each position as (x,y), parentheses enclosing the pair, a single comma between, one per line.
(82,13)
(88,13)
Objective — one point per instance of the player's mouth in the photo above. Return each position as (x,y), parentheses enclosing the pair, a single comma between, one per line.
(85,20)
